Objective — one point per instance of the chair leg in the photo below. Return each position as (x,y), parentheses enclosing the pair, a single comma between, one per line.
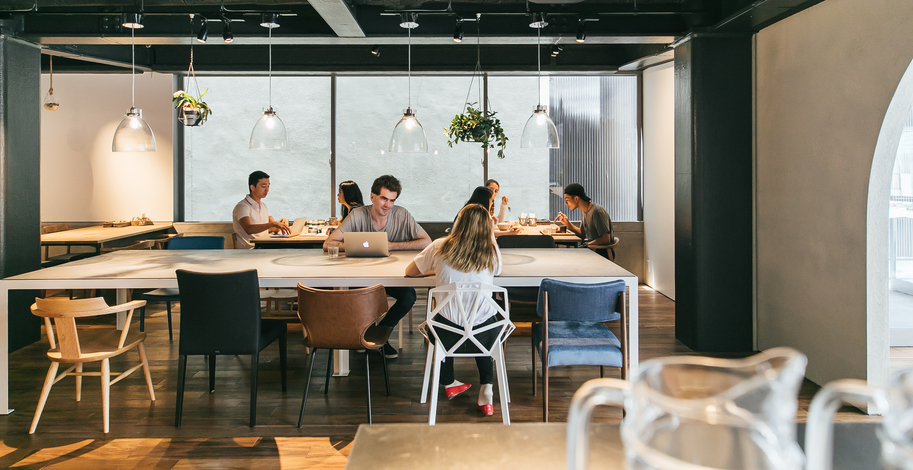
(212,373)
(428,363)
(179,400)
(283,360)
(105,391)
(400,338)
(545,393)
(142,318)
(386,379)
(601,372)
(501,372)
(254,367)
(48,383)
(410,320)
(78,382)
(368,383)
(535,372)
(307,385)
(432,412)
(168,309)
(326,386)
(501,359)
(141,348)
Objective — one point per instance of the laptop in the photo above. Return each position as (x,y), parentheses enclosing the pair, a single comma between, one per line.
(365,244)
(299,226)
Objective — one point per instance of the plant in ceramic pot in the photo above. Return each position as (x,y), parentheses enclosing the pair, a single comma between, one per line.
(475,125)
(193,111)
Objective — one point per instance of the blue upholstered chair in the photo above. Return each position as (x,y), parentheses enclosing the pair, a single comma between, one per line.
(172,295)
(573,330)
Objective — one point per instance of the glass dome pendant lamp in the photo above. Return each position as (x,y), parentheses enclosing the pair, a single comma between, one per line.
(133,134)
(408,135)
(539,131)
(269,133)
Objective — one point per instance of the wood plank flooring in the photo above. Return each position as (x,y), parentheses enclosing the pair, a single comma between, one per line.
(215,432)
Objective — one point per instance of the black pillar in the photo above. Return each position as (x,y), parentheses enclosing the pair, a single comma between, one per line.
(713,193)
(20,211)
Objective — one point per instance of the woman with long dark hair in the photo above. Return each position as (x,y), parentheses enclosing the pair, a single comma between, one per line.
(350,197)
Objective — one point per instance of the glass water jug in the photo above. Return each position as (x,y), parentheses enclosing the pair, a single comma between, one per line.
(700,413)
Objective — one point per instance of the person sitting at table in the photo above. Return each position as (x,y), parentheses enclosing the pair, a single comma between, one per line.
(403,233)
(468,254)
(485,197)
(596,226)
(350,197)
(495,187)
(251,218)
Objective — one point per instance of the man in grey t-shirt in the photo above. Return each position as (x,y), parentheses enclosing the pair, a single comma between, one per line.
(596,226)
(403,233)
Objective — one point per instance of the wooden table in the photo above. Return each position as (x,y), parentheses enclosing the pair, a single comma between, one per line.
(152,269)
(98,236)
(564,238)
(309,240)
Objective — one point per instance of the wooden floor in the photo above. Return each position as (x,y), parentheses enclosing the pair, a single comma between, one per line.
(215,432)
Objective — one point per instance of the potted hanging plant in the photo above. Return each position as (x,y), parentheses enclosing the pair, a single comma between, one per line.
(477,126)
(193,111)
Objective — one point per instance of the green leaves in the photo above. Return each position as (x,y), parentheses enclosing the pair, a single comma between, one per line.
(476,126)
(182,99)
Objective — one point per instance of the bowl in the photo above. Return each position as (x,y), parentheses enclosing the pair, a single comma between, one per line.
(503,226)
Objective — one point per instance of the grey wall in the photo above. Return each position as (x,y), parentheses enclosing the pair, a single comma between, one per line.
(825,82)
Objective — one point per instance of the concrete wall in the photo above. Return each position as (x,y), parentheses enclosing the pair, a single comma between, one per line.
(659,177)
(81,178)
(826,116)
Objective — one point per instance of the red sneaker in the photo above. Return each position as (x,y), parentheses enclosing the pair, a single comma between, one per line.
(452,392)
(487,410)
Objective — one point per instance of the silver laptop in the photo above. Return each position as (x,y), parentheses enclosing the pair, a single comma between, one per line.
(365,244)
(299,226)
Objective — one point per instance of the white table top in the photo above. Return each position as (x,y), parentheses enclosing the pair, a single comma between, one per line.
(99,234)
(285,268)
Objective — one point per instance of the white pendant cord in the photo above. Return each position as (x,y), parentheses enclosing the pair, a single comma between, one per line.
(410,66)
(539,64)
(133,66)
(270,66)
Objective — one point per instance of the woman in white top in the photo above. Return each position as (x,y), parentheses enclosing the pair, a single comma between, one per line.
(468,254)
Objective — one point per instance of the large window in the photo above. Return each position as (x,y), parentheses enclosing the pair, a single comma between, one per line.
(596,118)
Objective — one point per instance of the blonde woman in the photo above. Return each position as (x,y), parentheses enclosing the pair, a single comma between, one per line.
(468,254)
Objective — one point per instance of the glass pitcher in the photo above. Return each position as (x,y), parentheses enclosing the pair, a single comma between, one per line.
(700,413)
(895,402)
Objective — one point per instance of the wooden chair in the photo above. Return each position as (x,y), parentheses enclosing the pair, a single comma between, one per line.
(71,346)
(606,251)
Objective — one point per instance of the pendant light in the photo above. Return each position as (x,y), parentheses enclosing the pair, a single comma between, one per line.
(540,131)
(269,133)
(50,102)
(408,135)
(133,134)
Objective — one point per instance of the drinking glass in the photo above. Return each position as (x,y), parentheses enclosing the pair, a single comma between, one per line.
(333,249)
(523,218)
(531,220)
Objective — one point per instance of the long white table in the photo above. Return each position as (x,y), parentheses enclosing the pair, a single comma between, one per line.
(155,269)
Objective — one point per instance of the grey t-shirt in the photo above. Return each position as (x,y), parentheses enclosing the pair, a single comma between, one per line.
(595,223)
(401,227)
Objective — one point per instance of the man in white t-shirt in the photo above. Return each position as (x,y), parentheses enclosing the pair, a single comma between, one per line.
(251,217)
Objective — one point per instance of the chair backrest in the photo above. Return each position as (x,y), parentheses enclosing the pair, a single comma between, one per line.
(568,301)
(526,241)
(235,243)
(220,312)
(467,298)
(54,228)
(338,319)
(63,335)
(196,243)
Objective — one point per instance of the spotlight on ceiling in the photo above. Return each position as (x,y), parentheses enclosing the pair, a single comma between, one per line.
(269,20)
(376,51)
(226,30)
(556,49)
(538,21)
(581,32)
(204,32)
(133,20)
(458,32)
(408,20)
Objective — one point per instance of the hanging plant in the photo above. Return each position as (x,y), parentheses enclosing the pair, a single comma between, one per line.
(476,126)
(194,111)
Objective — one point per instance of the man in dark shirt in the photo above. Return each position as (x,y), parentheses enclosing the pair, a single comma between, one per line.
(596,226)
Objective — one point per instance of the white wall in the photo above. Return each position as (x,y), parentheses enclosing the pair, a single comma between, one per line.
(81,178)
(659,177)
(826,79)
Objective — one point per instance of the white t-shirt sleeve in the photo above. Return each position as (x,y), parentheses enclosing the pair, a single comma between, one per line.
(424,261)
(241,211)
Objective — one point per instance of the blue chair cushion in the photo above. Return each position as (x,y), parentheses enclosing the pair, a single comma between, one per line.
(162,295)
(579,343)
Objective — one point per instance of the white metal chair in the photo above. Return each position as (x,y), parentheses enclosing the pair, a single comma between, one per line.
(468,297)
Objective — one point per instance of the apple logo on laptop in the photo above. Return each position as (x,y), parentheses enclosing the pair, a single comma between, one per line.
(365,244)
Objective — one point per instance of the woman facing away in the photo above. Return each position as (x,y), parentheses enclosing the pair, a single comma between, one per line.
(350,197)
(468,254)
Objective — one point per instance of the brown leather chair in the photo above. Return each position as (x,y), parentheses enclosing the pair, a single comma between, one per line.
(606,251)
(343,319)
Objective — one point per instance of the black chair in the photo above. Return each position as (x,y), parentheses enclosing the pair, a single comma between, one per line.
(524,295)
(173,295)
(220,315)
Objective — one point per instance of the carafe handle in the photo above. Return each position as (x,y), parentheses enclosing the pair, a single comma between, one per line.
(592,394)
(819,426)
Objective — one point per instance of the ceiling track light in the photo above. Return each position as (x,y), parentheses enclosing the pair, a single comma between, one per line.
(226,30)
(458,31)
(581,32)
(408,20)
(556,49)
(133,20)
(204,31)
(375,51)
(269,20)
